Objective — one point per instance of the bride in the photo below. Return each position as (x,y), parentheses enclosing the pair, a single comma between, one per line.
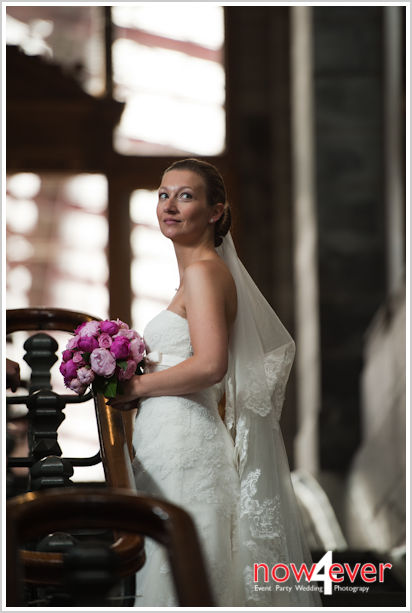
(217,338)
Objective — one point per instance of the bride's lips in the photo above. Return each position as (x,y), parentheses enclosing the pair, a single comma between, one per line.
(171,221)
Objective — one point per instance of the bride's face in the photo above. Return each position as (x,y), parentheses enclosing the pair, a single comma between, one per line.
(182,210)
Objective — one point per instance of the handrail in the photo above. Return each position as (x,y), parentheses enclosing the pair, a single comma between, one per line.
(39,318)
(114,445)
(115,449)
(33,514)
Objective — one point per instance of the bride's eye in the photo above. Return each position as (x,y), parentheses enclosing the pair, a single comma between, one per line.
(186,196)
(162,196)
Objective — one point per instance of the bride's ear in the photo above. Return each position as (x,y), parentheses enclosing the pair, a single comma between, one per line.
(217,212)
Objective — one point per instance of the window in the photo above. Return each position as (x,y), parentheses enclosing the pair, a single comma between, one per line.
(56,230)
(168,69)
(154,272)
(72,36)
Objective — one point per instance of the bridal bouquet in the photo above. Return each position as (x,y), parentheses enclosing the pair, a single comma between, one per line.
(102,354)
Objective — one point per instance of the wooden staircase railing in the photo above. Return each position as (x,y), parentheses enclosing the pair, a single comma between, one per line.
(115,449)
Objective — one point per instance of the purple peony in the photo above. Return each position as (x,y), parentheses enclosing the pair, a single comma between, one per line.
(77,387)
(133,334)
(137,349)
(95,351)
(67,355)
(120,348)
(62,368)
(71,369)
(85,375)
(102,362)
(72,344)
(121,324)
(125,375)
(105,340)
(77,330)
(87,343)
(109,327)
(129,334)
(78,358)
(90,328)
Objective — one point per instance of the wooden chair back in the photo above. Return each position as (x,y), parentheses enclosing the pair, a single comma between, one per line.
(36,513)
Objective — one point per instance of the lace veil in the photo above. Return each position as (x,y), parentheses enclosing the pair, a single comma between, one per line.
(261,353)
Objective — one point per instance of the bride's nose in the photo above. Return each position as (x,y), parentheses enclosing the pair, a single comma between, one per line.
(170,206)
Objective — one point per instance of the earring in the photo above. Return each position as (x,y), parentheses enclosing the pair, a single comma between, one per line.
(211,220)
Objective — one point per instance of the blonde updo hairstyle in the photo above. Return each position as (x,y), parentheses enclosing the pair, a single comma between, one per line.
(215,191)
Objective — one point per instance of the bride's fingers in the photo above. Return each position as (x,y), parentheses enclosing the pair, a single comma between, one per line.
(124,403)
(121,399)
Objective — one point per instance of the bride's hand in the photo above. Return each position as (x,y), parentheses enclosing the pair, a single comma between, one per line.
(123,402)
(127,401)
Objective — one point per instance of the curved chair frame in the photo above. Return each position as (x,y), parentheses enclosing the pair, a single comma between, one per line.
(34,514)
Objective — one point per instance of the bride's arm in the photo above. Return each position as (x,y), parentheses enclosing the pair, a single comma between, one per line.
(205,286)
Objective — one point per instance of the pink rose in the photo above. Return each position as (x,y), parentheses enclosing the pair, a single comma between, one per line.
(109,327)
(77,387)
(120,348)
(125,375)
(78,359)
(105,340)
(85,375)
(87,343)
(70,370)
(137,349)
(67,355)
(102,362)
(72,344)
(90,328)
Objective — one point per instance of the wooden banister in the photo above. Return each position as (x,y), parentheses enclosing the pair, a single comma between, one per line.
(38,318)
(114,445)
(115,448)
(36,513)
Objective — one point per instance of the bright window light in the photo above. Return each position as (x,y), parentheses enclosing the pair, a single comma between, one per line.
(154,271)
(194,22)
(24,185)
(56,245)
(71,36)
(88,191)
(21,215)
(168,70)
(18,249)
(83,230)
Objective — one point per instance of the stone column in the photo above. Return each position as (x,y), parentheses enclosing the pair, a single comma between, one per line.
(305,242)
(394,136)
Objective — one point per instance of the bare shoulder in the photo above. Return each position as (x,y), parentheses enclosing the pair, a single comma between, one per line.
(212,275)
(213,269)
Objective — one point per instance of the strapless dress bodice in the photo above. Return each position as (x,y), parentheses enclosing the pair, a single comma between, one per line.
(168,343)
(168,333)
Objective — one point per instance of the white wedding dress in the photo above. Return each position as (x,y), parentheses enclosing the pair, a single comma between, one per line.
(186,455)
